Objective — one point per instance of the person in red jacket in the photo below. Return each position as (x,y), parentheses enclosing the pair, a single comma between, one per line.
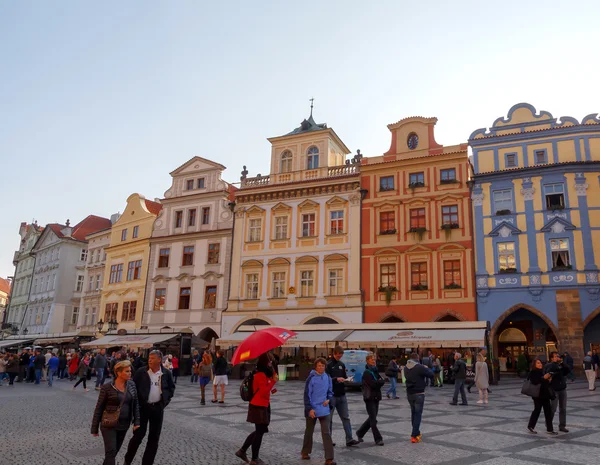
(259,409)
(175,362)
(73,366)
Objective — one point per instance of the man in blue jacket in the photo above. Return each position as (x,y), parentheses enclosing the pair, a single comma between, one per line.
(317,395)
(416,379)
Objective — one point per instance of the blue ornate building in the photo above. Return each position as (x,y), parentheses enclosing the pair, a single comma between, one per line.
(536,213)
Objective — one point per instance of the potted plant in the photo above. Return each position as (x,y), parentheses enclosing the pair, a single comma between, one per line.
(508,270)
(419,287)
(448,227)
(414,185)
(388,231)
(503,212)
(452,286)
(418,231)
(522,368)
(389,293)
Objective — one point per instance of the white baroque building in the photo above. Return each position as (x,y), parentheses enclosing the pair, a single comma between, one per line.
(190,252)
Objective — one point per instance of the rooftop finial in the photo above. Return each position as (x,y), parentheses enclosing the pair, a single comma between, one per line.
(311,105)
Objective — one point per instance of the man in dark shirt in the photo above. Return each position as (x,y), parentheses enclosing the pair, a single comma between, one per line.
(23,364)
(337,371)
(460,376)
(559,370)
(39,363)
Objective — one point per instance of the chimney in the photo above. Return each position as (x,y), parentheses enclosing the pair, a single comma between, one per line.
(67,230)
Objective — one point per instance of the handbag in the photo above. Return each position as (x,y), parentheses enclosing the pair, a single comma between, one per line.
(111,419)
(531,390)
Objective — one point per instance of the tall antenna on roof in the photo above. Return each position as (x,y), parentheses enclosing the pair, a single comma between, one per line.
(311,105)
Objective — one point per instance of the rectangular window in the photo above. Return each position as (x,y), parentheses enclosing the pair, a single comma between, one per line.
(91,283)
(189,185)
(386,183)
(200,183)
(416,180)
(279,284)
(210,297)
(136,230)
(184,298)
(86,316)
(387,223)
(124,235)
(79,287)
(255,230)
(75,315)
(252,286)
(163,258)
(91,256)
(448,175)
(450,215)
(188,256)
(159,299)
(387,275)
(110,312)
(417,218)
(337,222)
(541,157)
(306,284)
(281,227)
(336,283)
(129,309)
(84,255)
(506,256)
(178,219)
(418,276)
(555,196)
(213,253)
(503,202)
(561,259)
(452,274)
(93,321)
(98,282)
(134,270)
(192,217)
(308,225)
(511,160)
(205,215)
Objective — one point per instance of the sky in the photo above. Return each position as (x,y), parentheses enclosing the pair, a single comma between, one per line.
(102,99)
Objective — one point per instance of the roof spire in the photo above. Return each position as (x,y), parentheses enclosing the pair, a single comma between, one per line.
(311,105)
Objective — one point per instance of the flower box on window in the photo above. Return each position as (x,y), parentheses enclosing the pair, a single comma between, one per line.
(450,226)
(562,268)
(419,287)
(388,231)
(507,270)
(386,188)
(417,230)
(414,185)
(452,286)
(503,212)
(448,181)
(389,293)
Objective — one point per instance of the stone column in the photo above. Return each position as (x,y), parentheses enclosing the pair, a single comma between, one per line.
(570,326)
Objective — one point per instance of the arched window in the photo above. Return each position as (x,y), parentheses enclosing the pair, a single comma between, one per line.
(313,158)
(321,320)
(286,162)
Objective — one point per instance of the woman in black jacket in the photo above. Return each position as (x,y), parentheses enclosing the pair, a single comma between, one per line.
(371,388)
(122,393)
(537,377)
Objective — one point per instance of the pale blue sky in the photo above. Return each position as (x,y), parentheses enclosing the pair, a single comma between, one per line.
(102,99)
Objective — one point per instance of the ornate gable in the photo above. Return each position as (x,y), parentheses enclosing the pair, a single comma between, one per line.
(196,165)
(505,229)
(281,207)
(558,225)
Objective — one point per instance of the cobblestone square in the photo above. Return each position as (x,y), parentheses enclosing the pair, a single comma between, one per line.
(50,426)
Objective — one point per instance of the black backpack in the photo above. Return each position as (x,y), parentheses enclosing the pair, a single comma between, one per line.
(246,388)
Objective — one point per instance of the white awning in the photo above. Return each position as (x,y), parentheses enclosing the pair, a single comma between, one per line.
(302,339)
(54,340)
(15,342)
(423,338)
(142,341)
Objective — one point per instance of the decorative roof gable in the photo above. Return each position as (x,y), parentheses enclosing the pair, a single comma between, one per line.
(505,229)
(558,225)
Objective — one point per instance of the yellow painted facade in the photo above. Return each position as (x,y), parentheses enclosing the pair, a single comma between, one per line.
(127,263)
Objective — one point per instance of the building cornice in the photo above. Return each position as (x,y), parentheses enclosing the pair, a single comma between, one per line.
(285,192)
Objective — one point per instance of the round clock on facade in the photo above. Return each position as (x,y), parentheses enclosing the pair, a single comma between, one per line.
(412,141)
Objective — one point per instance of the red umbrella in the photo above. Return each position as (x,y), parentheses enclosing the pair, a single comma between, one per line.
(259,342)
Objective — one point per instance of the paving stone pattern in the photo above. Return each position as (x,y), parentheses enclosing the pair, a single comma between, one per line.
(50,426)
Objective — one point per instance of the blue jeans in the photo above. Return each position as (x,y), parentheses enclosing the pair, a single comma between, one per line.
(341,405)
(392,389)
(416,402)
(38,375)
(99,376)
(51,374)
(459,385)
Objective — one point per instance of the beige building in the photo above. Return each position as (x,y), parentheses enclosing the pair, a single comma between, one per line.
(93,279)
(296,247)
(126,267)
(190,252)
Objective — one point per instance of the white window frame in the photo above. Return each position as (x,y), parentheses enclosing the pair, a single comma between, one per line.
(502,250)
(339,220)
(306,222)
(307,283)
(279,282)
(558,246)
(503,202)
(281,227)
(336,281)
(252,281)
(254,229)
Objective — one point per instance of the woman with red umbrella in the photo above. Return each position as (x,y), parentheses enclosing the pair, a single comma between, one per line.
(259,409)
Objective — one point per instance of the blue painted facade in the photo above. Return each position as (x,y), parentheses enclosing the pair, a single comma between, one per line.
(536,214)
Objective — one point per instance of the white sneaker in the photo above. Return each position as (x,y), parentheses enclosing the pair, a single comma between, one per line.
(485,401)
(480,402)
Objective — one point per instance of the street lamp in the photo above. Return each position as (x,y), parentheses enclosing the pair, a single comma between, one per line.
(112,325)
(100,325)
(14,330)
(25,331)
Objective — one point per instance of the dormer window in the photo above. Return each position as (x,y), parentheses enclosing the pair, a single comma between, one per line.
(286,161)
(541,157)
(313,158)
(189,185)
(200,183)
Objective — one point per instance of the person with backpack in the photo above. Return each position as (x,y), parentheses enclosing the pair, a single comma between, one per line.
(416,376)
(318,392)
(257,388)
